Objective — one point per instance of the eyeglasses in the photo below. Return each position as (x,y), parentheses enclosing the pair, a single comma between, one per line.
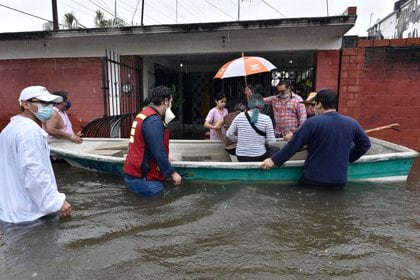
(42,103)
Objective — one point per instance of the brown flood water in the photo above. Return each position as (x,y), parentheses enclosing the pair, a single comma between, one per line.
(222,231)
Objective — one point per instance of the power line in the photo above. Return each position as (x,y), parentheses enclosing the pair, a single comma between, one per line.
(273,8)
(186,9)
(105,10)
(137,5)
(74,8)
(218,9)
(28,14)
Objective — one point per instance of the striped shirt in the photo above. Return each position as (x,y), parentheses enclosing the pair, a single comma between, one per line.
(250,143)
(289,116)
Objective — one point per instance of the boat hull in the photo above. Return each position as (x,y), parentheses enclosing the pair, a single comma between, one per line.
(390,169)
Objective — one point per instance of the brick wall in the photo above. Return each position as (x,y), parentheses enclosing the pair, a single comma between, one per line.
(80,77)
(327,64)
(380,85)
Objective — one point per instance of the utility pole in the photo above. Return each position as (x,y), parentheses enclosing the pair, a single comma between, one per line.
(142,11)
(328,14)
(55,14)
(115,11)
(239,9)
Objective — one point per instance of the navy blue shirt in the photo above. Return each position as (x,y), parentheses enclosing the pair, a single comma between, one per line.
(333,141)
(153,130)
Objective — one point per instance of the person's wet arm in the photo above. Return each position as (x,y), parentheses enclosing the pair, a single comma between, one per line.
(293,146)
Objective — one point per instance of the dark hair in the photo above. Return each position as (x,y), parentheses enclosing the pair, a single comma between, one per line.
(239,107)
(62,94)
(159,94)
(220,95)
(285,83)
(327,98)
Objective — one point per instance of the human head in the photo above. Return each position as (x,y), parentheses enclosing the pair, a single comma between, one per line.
(161,95)
(309,103)
(39,93)
(239,107)
(255,101)
(36,102)
(326,98)
(282,89)
(66,103)
(220,99)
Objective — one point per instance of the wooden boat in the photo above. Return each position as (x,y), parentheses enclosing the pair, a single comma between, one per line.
(207,160)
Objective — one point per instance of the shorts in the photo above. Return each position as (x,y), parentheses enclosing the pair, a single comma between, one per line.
(142,187)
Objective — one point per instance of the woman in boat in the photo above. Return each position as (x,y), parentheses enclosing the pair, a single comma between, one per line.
(214,119)
(252,131)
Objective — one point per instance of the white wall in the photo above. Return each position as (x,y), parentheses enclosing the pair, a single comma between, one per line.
(275,39)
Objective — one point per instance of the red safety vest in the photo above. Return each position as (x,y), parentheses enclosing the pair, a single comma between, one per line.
(137,147)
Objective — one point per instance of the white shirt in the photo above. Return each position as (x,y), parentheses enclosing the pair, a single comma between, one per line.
(28,189)
(250,143)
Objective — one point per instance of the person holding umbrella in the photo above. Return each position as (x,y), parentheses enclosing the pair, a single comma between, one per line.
(289,112)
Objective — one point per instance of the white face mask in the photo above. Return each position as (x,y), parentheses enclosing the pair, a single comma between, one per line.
(169,115)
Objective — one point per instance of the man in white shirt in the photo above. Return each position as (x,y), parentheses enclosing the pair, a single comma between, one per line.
(28,188)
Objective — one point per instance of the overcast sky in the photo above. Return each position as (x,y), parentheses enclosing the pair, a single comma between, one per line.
(188,11)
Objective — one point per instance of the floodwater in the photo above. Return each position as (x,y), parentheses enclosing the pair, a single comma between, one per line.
(222,231)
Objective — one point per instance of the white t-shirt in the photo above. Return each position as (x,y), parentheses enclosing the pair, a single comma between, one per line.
(28,189)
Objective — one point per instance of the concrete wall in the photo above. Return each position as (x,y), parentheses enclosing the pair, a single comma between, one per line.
(380,85)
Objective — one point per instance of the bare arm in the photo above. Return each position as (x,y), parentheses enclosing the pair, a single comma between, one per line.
(53,127)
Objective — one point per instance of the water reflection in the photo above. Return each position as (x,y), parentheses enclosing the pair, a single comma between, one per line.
(224,231)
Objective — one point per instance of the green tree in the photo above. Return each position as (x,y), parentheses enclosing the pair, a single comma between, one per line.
(70,21)
(102,22)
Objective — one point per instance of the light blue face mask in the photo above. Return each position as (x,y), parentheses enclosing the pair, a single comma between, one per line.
(44,112)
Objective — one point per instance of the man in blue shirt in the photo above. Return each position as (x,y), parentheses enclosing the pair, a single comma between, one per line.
(333,140)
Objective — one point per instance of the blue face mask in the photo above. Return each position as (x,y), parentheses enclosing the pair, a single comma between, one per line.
(44,112)
(68,104)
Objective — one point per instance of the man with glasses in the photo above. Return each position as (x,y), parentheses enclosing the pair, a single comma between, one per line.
(28,189)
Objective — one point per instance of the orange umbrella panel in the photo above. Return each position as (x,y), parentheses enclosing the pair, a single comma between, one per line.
(244,66)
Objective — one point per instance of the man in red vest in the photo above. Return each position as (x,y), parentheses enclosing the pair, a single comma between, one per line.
(147,164)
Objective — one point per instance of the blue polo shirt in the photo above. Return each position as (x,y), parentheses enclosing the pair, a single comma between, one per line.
(333,141)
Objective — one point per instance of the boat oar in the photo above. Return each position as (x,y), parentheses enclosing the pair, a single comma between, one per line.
(390,126)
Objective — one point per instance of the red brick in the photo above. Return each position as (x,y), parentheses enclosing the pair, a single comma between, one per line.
(350,51)
(365,43)
(398,42)
(381,43)
(413,41)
